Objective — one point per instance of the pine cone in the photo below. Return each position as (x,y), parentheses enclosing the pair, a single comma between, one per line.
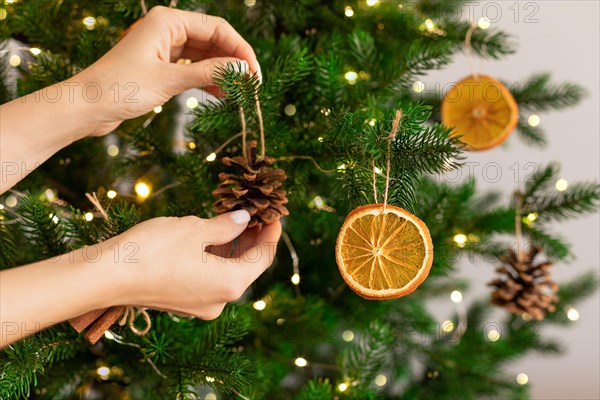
(253,189)
(525,286)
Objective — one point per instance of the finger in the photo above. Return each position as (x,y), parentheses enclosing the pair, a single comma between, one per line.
(237,247)
(258,257)
(203,73)
(225,228)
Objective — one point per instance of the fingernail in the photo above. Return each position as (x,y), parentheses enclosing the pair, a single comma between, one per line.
(240,217)
(259,73)
(240,66)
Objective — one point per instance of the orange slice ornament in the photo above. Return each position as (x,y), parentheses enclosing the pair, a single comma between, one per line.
(481,110)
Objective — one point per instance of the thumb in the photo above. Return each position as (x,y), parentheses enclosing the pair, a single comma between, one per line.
(225,227)
(202,73)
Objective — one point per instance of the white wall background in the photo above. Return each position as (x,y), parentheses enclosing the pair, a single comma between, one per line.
(565,42)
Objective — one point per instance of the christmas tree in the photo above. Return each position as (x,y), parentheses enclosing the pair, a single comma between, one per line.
(339,77)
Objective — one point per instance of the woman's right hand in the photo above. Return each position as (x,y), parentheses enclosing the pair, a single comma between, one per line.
(186,265)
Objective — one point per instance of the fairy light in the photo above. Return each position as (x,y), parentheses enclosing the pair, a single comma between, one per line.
(14,60)
(483,23)
(157,109)
(211,157)
(429,25)
(341,167)
(533,120)
(112,150)
(372,122)
(418,87)
(259,305)
(3,13)
(460,239)
(319,203)
(88,216)
(348,336)
(447,326)
(351,77)
(456,296)
(295,279)
(493,335)
(522,379)
(342,387)
(54,218)
(111,194)
(191,102)
(380,380)
(325,111)
(531,217)
(191,145)
(35,51)
(250,3)
(573,314)
(320,139)
(301,362)
(142,189)
(210,396)
(289,110)
(348,12)
(1,206)
(371,3)
(377,170)
(11,201)
(89,22)
(210,379)
(561,185)
(103,372)
(50,195)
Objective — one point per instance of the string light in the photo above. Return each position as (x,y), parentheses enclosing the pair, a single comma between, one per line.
(533,120)
(418,87)
(483,23)
(348,11)
(54,218)
(210,396)
(142,189)
(210,379)
(348,336)
(371,3)
(372,122)
(289,110)
(11,201)
(456,296)
(50,195)
(320,139)
(3,13)
(211,157)
(157,109)
(301,362)
(111,194)
(89,22)
(14,60)
(447,326)
(112,150)
(351,77)
(522,379)
(191,145)
(280,321)
(493,335)
(191,102)
(573,314)
(380,380)
(88,216)
(561,185)
(249,3)
(295,279)
(259,305)
(103,372)
(460,239)
(341,167)
(429,25)
(325,111)
(532,217)
(1,206)
(342,387)
(35,51)
(377,170)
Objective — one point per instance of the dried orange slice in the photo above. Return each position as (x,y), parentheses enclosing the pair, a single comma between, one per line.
(383,252)
(481,110)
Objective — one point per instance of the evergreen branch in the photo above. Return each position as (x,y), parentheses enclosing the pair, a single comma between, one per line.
(227,330)
(571,293)
(42,232)
(531,135)
(121,217)
(541,180)
(579,198)
(363,50)
(80,231)
(220,368)
(314,389)
(329,77)
(555,248)
(8,243)
(489,43)
(538,94)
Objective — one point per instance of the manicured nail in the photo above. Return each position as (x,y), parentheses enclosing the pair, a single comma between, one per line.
(240,217)
(240,66)
(259,74)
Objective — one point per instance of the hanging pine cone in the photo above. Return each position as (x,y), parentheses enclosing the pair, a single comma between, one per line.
(253,189)
(525,286)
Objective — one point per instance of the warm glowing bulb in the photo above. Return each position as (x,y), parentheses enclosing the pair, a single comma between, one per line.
(372,122)
(301,362)
(319,203)
(210,396)
(532,217)
(429,25)
(351,77)
(377,170)
(103,372)
(342,387)
(112,150)
(89,22)
(111,194)
(191,145)
(573,314)
(295,279)
(460,238)
(50,195)
(11,201)
(55,219)
(456,296)
(249,3)
(88,216)
(380,380)
(3,13)
(493,335)
(418,87)
(259,305)
(320,139)
(371,3)
(447,326)
(142,189)
(14,60)
(533,120)
(483,23)
(348,12)
(211,157)
(191,102)
(561,185)
(157,109)
(289,110)
(522,379)
(348,336)
(35,51)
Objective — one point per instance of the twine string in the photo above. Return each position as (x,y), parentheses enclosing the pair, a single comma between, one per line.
(260,125)
(374,181)
(392,136)
(144,7)
(469,49)
(243,119)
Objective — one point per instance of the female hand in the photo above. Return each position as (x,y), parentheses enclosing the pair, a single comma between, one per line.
(141,72)
(187,265)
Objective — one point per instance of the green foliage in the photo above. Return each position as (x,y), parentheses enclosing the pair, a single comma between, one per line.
(539,94)
(41,224)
